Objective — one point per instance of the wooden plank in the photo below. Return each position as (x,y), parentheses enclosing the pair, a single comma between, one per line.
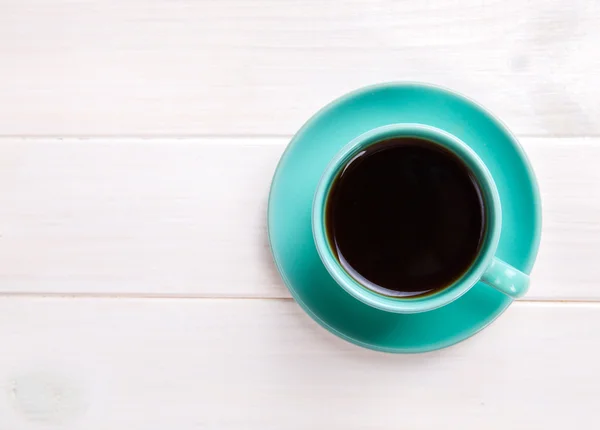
(263,67)
(186,217)
(568,176)
(262,364)
(157,217)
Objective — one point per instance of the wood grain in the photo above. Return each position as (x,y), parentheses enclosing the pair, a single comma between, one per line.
(113,67)
(262,364)
(187,217)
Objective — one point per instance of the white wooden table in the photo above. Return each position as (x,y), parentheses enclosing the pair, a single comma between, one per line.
(137,143)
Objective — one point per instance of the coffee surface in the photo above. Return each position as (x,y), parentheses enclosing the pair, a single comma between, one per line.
(405,217)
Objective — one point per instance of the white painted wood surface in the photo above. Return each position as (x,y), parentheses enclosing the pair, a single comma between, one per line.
(263,66)
(137,143)
(262,364)
(167,216)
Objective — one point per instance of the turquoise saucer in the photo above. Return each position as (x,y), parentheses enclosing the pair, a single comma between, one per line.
(293,188)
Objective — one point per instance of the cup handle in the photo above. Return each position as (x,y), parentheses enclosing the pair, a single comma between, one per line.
(506,279)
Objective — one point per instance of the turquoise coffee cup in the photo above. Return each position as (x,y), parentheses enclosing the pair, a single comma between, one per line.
(485,267)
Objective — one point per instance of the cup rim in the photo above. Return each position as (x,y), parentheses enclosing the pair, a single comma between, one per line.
(491,206)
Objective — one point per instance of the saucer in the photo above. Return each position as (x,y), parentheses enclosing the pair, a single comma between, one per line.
(295,182)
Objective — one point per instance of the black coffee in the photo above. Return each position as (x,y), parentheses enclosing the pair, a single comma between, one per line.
(405,217)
